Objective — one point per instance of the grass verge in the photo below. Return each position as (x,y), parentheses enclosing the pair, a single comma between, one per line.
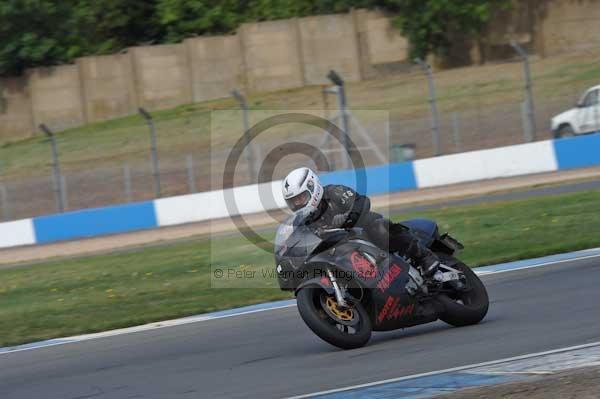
(104,292)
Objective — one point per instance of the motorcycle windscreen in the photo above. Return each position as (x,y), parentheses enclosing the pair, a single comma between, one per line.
(294,238)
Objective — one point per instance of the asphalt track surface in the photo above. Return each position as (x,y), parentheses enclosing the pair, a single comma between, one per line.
(272,354)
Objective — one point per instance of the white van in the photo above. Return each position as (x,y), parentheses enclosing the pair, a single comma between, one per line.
(584,118)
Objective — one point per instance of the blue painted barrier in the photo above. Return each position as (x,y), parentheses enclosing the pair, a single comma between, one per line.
(380,179)
(95,222)
(569,153)
(577,152)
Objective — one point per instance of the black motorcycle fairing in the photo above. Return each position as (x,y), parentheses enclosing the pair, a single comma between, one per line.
(304,258)
(393,306)
(321,282)
(384,282)
(294,241)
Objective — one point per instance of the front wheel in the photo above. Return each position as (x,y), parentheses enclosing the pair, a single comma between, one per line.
(467,307)
(345,328)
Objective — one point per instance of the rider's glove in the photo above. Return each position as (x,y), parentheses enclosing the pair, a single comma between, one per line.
(339,220)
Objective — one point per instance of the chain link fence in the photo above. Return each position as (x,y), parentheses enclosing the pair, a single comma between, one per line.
(189,161)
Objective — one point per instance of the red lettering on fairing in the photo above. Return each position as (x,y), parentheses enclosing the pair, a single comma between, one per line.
(362,266)
(393,310)
(389,277)
(386,308)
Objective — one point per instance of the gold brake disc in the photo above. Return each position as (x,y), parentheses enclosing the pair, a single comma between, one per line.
(342,314)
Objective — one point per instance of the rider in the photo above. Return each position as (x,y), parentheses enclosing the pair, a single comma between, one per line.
(338,206)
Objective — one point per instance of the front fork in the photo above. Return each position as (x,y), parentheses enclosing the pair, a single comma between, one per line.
(339,295)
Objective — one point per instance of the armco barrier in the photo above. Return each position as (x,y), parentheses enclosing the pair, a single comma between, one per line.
(543,156)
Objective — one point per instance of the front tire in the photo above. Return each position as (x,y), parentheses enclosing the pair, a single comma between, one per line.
(348,331)
(468,307)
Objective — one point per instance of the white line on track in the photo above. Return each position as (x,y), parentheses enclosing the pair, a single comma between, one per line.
(129,330)
(485,273)
(454,369)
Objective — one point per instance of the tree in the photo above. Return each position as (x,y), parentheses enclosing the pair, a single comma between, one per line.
(430,25)
(49,32)
(184,18)
(36,32)
(123,23)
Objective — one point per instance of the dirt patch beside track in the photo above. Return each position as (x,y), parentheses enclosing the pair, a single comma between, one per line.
(574,384)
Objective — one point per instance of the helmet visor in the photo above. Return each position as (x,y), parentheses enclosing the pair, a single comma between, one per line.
(299,201)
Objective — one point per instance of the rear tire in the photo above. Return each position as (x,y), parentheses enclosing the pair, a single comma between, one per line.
(466,308)
(326,327)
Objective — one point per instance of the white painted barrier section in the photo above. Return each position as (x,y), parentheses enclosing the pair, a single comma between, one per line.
(486,164)
(212,205)
(515,160)
(18,232)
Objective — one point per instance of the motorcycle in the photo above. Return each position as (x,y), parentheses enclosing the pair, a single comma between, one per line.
(346,287)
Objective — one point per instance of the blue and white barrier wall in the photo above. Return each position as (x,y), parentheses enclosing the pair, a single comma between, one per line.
(538,157)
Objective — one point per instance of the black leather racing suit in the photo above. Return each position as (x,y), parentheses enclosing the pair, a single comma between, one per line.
(341,206)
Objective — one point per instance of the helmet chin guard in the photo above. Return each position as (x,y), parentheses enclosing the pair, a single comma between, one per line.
(302,191)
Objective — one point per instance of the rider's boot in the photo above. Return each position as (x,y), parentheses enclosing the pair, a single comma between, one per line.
(402,240)
(396,237)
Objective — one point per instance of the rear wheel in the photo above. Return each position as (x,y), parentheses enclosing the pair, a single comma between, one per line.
(468,306)
(346,328)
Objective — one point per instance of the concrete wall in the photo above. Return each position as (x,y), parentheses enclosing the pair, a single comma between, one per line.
(385,43)
(16,120)
(382,48)
(268,56)
(329,42)
(163,76)
(56,96)
(272,55)
(217,66)
(568,25)
(108,86)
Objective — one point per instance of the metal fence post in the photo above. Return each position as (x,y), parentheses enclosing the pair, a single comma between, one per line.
(528,94)
(251,156)
(326,143)
(127,182)
(57,179)
(456,131)
(435,125)
(525,121)
(64,192)
(4,201)
(342,105)
(153,148)
(189,161)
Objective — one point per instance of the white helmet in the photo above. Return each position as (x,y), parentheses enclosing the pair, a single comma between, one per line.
(302,190)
